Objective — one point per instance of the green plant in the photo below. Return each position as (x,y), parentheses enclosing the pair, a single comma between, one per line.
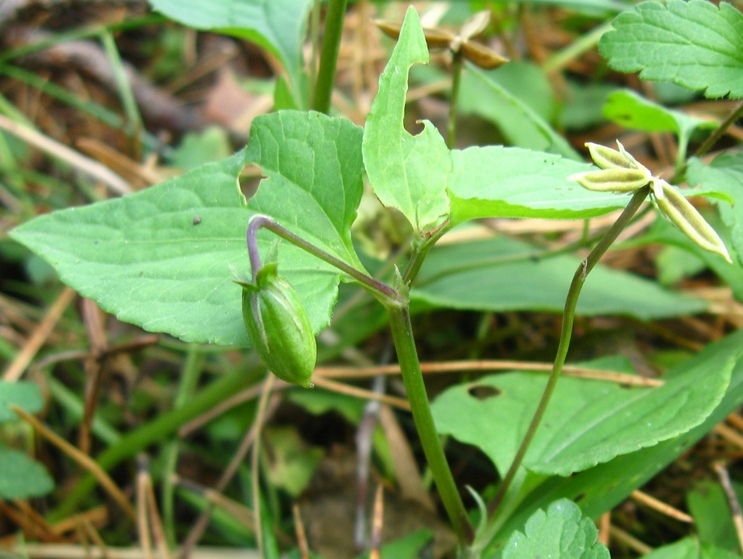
(148,259)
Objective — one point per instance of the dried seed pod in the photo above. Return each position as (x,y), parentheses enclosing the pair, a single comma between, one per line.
(612,180)
(608,158)
(278,327)
(686,217)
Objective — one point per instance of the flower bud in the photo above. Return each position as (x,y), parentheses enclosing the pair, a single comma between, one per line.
(278,327)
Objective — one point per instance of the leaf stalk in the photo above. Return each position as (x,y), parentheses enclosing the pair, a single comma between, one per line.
(259,221)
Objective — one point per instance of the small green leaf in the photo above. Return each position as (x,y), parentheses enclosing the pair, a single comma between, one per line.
(25,395)
(692,43)
(292,463)
(710,509)
(561,531)
(276,25)
(406,172)
(21,477)
(629,109)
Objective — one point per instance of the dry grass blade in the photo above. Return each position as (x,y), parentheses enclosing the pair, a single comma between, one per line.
(400,403)
(660,506)
(488,365)
(59,151)
(40,335)
(83,460)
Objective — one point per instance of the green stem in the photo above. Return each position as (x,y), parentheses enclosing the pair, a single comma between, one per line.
(567,329)
(420,251)
(329,55)
(457,62)
(187,387)
(719,131)
(407,356)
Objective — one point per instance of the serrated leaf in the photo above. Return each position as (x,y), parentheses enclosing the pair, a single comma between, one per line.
(25,395)
(692,43)
(560,531)
(406,172)
(276,25)
(496,181)
(586,423)
(724,174)
(502,274)
(165,258)
(21,477)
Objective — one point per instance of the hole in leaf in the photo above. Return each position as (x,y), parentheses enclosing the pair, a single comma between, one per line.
(250,178)
(483,391)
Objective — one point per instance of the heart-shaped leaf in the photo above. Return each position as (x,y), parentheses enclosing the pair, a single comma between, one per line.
(165,258)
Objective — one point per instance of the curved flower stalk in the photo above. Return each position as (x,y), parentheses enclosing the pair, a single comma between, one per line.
(620,172)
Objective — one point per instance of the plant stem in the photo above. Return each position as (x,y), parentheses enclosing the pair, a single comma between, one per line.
(420,251)
(565,334)
(407,356)
(261,221)
(457,62)
(719,131)
(329,55)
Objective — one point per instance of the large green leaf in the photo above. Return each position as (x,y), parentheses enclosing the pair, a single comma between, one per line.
(603,487)
(560,531)
(587,422)
(276,25)
(406,172)
(692,43)
(503,274)
(165,258)
(495,181)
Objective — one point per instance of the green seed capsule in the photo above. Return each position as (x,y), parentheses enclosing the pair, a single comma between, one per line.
(279,328)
